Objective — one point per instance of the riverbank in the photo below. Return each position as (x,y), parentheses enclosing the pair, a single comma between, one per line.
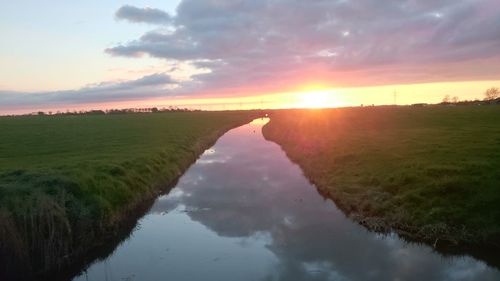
(67,182)
(429,174)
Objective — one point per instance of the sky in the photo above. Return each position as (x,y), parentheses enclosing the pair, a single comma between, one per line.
(231,54)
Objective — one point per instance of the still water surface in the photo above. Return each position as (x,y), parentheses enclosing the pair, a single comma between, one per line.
(244,211)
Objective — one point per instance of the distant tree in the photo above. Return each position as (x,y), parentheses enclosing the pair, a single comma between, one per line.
(455,99)
(491,94)
(446,99)
(41,113)
(154,109)
(95,112)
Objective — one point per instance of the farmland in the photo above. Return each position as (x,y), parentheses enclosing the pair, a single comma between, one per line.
(68,181)
(430,173)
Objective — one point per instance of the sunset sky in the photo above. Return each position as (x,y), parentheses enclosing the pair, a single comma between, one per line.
(232,54)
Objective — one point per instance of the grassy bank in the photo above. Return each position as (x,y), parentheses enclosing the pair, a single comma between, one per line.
(431,173)
(68,181)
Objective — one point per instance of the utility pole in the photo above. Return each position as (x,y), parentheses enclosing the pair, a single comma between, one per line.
(395,97)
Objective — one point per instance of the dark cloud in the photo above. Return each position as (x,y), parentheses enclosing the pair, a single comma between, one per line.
(142,15)
(272,42)
(146,87)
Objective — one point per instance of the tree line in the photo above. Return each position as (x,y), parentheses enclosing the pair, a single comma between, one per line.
(491,95)
(116,111)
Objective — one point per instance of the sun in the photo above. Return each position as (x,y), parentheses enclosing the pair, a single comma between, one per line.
(315,99)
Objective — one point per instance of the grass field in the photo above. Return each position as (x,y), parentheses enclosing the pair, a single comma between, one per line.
(67,180)
(431,173)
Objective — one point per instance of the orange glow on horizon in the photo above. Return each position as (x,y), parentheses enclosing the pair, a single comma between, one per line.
(323,96)
(308,96)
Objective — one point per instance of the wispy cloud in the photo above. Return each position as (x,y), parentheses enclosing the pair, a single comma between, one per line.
(143,15)
(150,86)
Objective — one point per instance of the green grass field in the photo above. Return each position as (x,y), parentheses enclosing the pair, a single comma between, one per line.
(67,180)
(431,173)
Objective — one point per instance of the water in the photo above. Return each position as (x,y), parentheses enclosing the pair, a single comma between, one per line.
(243,211)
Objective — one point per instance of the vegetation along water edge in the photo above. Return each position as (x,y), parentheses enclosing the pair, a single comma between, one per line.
(67,182)
(428,173)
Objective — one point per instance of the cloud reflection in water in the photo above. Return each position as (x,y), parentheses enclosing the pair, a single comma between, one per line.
(247,191)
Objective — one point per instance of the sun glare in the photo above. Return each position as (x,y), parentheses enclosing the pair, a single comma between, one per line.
(315,99)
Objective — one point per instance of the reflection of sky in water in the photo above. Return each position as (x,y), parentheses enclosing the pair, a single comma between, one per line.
(245,212)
